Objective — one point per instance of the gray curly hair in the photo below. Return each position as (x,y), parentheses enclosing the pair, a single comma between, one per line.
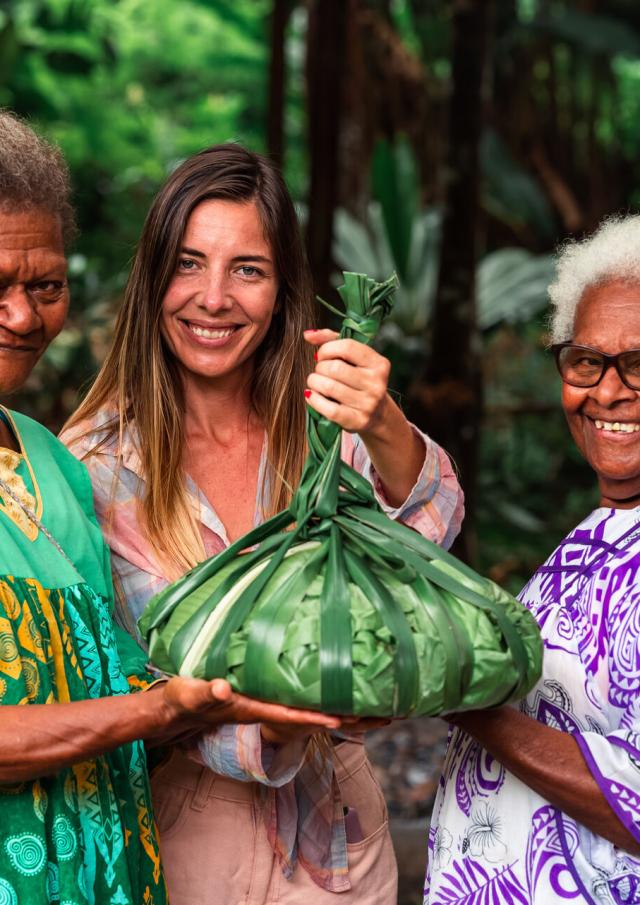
(33,174)
(612,252)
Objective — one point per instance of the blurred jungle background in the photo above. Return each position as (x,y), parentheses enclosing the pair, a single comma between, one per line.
(453,141)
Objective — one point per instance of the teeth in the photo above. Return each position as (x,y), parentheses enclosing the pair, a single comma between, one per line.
(626,427)
(211,334)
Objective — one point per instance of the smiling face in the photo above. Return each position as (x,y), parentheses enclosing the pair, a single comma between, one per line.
(608,319)
(219,304)
(34,298)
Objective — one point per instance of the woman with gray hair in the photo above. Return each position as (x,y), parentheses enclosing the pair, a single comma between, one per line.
(76,823)
(539,803)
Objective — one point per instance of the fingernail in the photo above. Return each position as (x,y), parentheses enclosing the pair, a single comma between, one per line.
(311,330)
(315,356)
(307,393)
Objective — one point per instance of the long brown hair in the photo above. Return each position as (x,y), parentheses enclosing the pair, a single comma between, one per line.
(139,379)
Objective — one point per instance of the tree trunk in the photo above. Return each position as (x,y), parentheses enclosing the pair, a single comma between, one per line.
(280,14)
(326,71)
(448,400)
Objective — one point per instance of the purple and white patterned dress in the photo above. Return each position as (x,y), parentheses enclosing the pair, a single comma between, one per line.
(492,839)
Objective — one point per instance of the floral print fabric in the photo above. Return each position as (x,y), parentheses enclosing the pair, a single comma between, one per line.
(494,840)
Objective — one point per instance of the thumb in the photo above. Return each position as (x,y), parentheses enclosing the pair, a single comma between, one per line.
(220,691)
(196,695)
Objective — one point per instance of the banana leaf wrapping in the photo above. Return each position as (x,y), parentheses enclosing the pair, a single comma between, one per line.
(330,605)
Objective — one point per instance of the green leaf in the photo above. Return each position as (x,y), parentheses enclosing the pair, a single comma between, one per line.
(336,662)
(395,186)
(511,193)
(512,286)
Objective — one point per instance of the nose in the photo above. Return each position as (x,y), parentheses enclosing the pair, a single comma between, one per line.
(611,390)
(17,311)
(216,295)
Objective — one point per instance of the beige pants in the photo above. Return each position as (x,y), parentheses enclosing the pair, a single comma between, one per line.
(214,844)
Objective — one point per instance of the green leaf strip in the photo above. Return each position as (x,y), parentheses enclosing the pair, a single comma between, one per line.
(405,661)
(164,603)
(457,644)
(413,540)
(459,656)
(269,625)
(336,661)
(216,663)
(445,580)
(186,635)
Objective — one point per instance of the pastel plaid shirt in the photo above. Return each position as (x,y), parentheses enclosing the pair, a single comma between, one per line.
(303,810)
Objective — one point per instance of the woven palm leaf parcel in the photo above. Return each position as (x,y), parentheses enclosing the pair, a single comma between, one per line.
(331,605)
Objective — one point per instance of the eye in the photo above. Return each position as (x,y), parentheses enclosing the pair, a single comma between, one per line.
(249,270)
(587,361)
(581,359)
(632,360)
(186,265)
(47,290)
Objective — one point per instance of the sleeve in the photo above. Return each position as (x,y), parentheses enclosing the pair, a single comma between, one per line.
(134,660)
(241,753)
(435,506)
(614,762)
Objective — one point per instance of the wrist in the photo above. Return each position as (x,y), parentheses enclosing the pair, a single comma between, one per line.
(161,714)
(480,723)
(388,427)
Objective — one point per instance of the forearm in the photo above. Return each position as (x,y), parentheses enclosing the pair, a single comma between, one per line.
(397,453)
(40,739)
(549,762)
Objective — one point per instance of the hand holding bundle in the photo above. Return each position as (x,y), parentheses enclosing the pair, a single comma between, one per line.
(338,608)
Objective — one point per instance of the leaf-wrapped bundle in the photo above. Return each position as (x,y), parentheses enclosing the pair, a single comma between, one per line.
(338,608)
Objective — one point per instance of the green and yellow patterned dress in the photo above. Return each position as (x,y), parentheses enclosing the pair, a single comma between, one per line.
(85,834)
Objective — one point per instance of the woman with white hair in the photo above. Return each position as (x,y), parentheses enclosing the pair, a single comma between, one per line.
(540,802)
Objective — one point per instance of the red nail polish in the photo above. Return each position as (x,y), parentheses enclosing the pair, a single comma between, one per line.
(311,330)
(315,356)
(307,393)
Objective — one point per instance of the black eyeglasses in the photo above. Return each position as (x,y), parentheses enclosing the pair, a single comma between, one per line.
(581,366)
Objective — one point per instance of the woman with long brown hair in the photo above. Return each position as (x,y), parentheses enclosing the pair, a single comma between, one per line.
(194,432)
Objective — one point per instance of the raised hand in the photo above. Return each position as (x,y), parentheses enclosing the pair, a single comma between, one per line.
(349,387)
(349,383)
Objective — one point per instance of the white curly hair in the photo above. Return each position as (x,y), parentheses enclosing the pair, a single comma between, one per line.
(612,252)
